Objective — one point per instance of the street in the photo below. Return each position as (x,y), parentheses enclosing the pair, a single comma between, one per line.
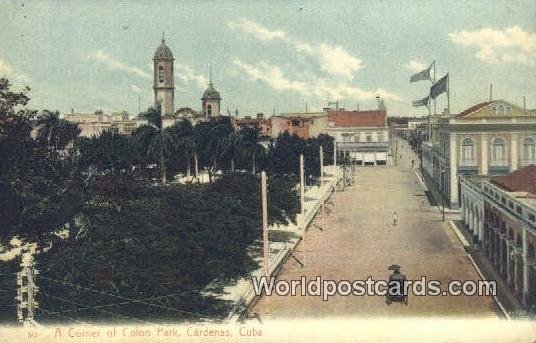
(357,239)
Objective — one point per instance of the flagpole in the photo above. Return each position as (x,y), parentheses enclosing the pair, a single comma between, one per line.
(448,93)
(434,80)
(429,122)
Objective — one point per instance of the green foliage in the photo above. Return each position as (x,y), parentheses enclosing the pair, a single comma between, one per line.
(54,132)
(215,140)
(37,191)
(145,242)
(283,158)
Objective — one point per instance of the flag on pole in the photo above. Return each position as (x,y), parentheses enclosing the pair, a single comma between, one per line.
(422,75)
(441,86)
(422,102)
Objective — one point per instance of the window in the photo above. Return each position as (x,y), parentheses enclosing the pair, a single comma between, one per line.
(519,210)
(468,150)
(529,150)
(369,138)
(380,136)
(532,218)
(500,109)
(209,110)
(161,73)
(498,152)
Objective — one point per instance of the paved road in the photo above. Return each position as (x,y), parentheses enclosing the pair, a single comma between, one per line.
(357,240)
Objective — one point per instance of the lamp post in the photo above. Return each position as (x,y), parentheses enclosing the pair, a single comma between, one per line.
(321,166)
(443,170)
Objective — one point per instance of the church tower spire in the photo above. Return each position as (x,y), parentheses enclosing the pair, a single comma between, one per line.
(163,83)
(211,99)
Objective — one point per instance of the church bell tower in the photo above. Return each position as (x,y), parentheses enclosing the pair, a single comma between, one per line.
(163,85)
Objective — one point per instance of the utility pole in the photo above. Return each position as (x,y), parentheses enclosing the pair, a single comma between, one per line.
(321,166)
(302,188)
(27,290)
(490,92)
(265,237)
(334,152)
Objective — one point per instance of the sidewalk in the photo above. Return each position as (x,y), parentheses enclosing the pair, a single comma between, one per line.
(511,306)
(283,240)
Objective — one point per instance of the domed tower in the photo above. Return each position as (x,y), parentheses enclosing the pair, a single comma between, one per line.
(211,100)
(164,86)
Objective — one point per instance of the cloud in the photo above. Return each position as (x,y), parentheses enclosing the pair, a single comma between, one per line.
(509,45)
(256,30)
(111,62)
(334,60)
(188,75)
(14,76)
(274,77)
(415,66)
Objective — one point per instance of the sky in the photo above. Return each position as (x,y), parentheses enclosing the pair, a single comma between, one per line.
(268,55)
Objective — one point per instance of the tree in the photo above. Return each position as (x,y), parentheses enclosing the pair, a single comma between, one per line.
(110,152)
(286,153)
(215,142)
(54,132)
(38,193)
(185,139)
(155,141)
(249,144)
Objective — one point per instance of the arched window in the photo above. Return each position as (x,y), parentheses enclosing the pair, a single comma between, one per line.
(209,110)
(468,150)
(498,152)
(161,73)
(529,150)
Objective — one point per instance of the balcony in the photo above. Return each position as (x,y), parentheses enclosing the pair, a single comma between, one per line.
(467,163)
(363,146)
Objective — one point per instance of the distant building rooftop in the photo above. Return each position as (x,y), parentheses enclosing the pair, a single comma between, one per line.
(374,118)
(521,180)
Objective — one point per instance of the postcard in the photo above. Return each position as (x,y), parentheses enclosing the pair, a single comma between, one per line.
(260,171)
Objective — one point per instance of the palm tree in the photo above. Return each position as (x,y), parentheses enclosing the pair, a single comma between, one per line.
(215,142)
(54,132)
(249,144)
(154,139)
(185,140)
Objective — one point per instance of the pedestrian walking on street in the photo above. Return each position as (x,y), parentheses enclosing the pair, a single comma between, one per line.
(395,219)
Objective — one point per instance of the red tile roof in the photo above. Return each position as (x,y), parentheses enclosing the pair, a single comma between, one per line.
(521,180)
(472,109)
(357,118)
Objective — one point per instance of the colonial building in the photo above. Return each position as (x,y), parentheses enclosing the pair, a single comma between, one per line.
(500,213)
(361,135)
(163,79)
(264,124)
(164,92)
(211,101)
(305,125)
(490,138)
(93,124)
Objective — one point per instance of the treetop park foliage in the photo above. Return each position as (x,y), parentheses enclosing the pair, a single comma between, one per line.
(109,235)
